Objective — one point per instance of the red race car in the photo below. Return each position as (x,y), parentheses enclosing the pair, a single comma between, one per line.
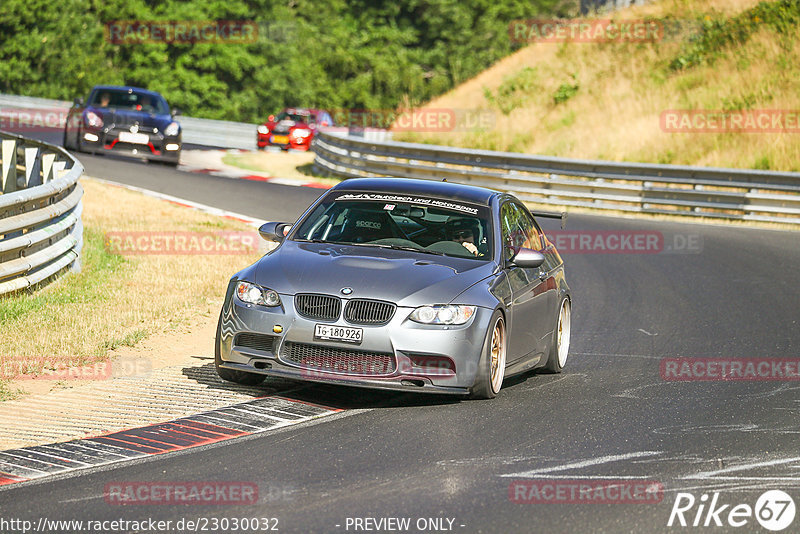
(292,128)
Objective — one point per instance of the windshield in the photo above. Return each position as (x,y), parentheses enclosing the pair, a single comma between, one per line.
(283,116)
(130,100)
(424,225)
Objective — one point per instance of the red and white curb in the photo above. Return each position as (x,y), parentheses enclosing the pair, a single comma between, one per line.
(222,424)
(244,175)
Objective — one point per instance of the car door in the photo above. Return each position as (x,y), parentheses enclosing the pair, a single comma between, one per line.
(530,317)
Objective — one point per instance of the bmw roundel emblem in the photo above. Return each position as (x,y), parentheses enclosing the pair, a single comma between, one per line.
(347,290)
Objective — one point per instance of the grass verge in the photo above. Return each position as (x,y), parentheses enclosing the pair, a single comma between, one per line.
(297,165)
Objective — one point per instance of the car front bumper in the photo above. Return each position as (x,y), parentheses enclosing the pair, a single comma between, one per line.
(425,358)
(155,149)
(294,143)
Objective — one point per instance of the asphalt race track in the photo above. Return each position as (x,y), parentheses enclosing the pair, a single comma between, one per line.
(609,416)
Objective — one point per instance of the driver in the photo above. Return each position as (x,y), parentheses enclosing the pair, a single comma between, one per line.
(145,104)
(464,231)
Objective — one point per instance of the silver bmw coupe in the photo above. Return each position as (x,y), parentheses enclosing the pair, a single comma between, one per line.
(400,284)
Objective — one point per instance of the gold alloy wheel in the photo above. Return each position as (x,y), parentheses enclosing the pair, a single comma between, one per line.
(564,327)
(498,355)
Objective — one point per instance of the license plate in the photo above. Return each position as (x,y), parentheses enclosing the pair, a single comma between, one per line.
(338,333)
(135,138)
(280,139)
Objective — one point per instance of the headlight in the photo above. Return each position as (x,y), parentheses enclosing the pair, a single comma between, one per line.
(93,120)
(172,129)
(301,132)
(263,130)
(442,314)
(254,294)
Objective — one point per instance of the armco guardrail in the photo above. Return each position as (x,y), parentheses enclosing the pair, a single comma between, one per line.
(630,187)
(41,233)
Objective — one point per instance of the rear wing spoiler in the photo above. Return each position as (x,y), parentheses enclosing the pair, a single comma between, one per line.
(552,215)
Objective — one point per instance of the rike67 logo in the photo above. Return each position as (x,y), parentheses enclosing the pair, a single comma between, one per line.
(774,510)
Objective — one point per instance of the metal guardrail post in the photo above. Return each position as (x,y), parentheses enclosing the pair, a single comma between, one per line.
(9,166)
(33,167)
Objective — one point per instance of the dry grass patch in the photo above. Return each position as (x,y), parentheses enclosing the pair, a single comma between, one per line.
(296,165)
(115,301)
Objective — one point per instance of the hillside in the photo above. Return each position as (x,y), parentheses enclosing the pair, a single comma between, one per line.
(608,100)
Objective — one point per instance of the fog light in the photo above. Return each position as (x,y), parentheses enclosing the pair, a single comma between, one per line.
(432,364)
(90,137)
(173,146)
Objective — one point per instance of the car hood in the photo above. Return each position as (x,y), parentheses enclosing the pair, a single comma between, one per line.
(406,278)
(126,117)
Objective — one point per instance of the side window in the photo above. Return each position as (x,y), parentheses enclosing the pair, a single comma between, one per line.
(518,229)
(533,235)
(513,237)
(506,226)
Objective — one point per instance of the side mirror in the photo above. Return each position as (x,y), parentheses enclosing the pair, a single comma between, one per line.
(274,231)
(78,101)
(175,112)
(528,258)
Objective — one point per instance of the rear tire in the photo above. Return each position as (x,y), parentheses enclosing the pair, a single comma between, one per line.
(559,345)
(230,375)
(492,365)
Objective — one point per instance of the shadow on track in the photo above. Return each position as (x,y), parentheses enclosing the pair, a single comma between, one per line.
(333,396)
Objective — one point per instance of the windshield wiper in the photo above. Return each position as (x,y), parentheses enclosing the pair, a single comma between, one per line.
(414,249)
(376,245)
(398,247)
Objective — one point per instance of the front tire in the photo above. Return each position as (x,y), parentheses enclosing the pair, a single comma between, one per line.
(559,346)
(492,365)
(78,136)
(230,375)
